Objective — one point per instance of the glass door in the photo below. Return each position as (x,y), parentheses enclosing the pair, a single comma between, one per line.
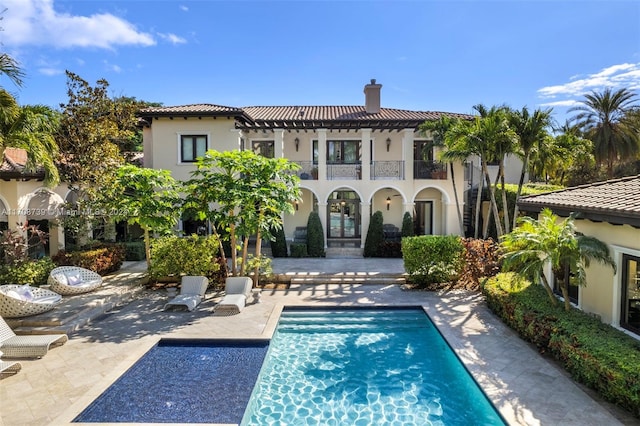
(630,309)
(344,215)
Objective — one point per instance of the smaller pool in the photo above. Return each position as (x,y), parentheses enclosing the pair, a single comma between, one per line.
(159,387)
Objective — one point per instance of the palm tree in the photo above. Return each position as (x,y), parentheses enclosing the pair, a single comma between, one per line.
(11,68)
(439,131)
(31,128)
(534,244)
(603,118)
(531,130)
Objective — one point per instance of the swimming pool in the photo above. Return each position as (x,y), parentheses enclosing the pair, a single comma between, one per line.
(364,367)
(325,366)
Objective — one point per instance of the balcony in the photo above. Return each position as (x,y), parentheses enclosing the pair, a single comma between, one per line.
(344,171)
(429,170)
(387,170)
(308,170)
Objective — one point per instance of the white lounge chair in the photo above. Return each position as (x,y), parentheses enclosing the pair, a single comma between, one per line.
(71,280)
(237,291)
(192,291)
(9,367)
(31,346)
(18,301)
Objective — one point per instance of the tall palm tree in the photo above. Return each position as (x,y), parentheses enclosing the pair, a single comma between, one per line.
(603,118)
(534,244)
(531,130)
(10,67)
(438,130)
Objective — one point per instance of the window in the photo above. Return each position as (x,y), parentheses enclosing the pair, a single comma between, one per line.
(573,289)
(343,152)
(192,147)
(263,148)
(630,309)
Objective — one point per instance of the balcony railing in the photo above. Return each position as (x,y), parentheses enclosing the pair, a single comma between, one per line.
(390,170)
(344,171)
(429,170)
(308,170)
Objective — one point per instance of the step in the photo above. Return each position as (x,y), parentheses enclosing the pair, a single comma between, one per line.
(347,279)
(343,252)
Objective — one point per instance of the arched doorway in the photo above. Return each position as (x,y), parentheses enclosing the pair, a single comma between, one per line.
(344,216)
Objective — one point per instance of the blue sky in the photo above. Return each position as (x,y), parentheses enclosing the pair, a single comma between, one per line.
(428,55)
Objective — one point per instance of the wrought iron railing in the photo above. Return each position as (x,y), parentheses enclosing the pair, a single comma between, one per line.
(344,171)
(308,170)
(429,170)
(392,170)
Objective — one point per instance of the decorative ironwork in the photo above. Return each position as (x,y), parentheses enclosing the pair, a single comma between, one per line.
(392,170)
(429,170)
(344,171)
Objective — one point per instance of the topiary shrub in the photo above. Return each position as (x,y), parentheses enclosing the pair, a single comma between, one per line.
(315,237)
(430,259)
(407,225)
(375,236)
(174,256)
(298,250)
(279,243)
(134,251)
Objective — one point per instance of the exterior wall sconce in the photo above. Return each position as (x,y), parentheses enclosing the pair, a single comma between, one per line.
(297,142)
(388,143)
(388,202)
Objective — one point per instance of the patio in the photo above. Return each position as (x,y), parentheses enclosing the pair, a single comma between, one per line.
(525,387)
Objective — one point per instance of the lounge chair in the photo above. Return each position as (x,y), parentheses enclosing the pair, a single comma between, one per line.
(18,301)
(31,346)
(237,290)
(71,280)
(192,291)
(9,367)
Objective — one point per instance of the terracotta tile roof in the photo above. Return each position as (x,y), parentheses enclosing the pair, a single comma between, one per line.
(13,165)
(299,117)
(616,201)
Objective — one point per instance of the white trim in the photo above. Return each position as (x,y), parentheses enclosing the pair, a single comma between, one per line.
(618,252)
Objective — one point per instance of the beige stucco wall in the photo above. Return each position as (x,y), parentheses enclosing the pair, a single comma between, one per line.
(603,291)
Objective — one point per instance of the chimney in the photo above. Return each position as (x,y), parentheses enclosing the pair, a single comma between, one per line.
(372,97)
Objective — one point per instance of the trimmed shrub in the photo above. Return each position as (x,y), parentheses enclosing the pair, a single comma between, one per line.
(315,238)
(298,250)
(34,272)
(279,243)
(103,260)
(174,256)
(134,251)
(375,236)
(407,225)
(595,354)
(391,249)
(430,259)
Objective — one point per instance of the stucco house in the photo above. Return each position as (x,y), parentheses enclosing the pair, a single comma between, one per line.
(609,211)
(354,160)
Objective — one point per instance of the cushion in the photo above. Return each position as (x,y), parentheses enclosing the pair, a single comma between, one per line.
(61,278)
(14,294)
(73,278)
(25,292)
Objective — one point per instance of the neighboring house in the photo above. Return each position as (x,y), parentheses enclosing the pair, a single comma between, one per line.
(609,211)
(354,160)
(23,198)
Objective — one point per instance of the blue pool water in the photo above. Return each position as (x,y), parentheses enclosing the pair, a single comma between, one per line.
(364,367)
(183,382)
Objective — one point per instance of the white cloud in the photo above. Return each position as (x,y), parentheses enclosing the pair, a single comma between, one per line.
(566,103)
(36,22)
(184,8)
(112,67)
(172,38)
(50,71)
(616,76)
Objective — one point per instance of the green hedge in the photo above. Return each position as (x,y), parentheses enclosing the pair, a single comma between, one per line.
(315,236)
(298,250)
(103,260)
(375,236)
(174,256)
(595,354)
(134,251)
(278,243)
(432,259)
(33,272)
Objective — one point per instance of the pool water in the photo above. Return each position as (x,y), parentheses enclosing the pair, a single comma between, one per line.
(364,367)
(183,381)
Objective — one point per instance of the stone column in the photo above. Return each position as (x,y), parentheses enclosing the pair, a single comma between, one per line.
(365,218)
(407,153)
(322,214)
(322,156)
(278,141)
(366,154)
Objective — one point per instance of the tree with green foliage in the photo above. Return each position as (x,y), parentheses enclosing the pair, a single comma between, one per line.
(315,236)
(549,241)
(407,225)
(375,235)
(604,118)
(531,130)
(146,197)
(243,193)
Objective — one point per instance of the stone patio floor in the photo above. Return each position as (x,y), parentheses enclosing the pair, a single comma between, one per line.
(526,388)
